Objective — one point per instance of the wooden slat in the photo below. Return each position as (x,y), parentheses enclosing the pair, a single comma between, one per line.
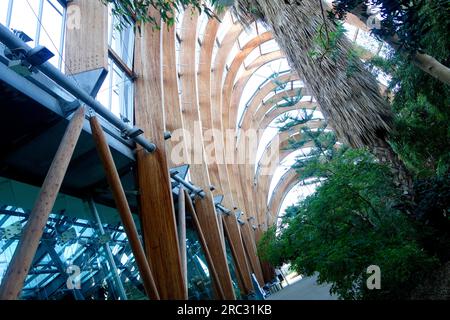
(176,149)
(156,203)
(199,173)
(209,88)
(250,248)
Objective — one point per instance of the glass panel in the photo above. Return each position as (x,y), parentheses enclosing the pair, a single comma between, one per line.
(117,92)
(115,98)
(24,17)
(121,41)
(50,36)
(199,281)
(3,11)
(48,281)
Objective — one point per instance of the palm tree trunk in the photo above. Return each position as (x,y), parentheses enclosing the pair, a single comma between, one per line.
(347,93)
(402,177)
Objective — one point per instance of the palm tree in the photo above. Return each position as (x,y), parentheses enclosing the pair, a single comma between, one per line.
(350,101)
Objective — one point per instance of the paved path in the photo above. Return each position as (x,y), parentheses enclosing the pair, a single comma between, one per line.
(304,289)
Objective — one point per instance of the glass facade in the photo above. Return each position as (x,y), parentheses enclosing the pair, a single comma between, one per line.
(71,249)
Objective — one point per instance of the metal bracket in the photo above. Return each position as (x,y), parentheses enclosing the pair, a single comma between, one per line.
(178,175)
(131,133)
(12,230)
(68,235)
(218,203)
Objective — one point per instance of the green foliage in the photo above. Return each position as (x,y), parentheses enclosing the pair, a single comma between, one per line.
(288,121)
(326,41)
(421,103)
(347,225)
(290,101)
(130,12)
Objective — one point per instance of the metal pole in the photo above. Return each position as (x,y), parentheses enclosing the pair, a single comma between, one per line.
(124,209)
(109,255)
(23,256)
(12,42)
(182,233)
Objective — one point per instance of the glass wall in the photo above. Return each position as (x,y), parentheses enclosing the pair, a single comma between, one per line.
(72,251)
(199,278)
(42,20)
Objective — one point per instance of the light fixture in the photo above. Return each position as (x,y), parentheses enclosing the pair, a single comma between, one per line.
(39,55)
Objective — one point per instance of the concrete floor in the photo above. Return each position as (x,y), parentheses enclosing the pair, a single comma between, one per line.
(303,289)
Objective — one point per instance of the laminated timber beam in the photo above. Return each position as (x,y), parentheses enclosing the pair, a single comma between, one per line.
(246,170)
(231,95)
(250,247)
(225,97)
(156,202)
(211,108)
(124,209)
(271,159)
(214,75)
(204,102)
(176,148)
(286,183)
(232,73)
(267,118)
(239,86)
(205,208)
(22,259)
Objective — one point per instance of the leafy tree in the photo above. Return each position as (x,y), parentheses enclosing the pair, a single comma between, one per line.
(129,11)
(420,102)
(348,224)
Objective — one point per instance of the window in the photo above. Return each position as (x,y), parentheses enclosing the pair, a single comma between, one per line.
(116,92)
(4,5)
(121,41)
(41,20)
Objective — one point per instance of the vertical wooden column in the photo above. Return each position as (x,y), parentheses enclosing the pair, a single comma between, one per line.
(29,241)
(205,208)
(124,209)
(210,114)
(156,202)
(172,108)
(250,247)
(237,250)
